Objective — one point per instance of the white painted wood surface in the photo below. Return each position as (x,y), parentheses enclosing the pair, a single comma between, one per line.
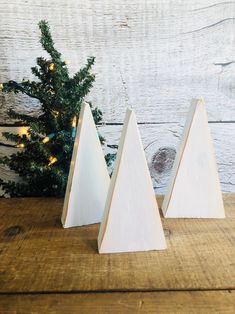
(194,188)
(131,220)
(88,180)
(151,55)
(160,141)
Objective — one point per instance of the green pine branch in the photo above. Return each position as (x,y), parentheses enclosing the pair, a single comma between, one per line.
(43,156)
(47,41)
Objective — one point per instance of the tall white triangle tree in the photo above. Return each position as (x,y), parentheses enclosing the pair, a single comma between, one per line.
(131,220)
(194,189)
(88,179)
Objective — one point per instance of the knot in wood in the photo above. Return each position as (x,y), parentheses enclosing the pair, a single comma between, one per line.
(13,231)
(163,159)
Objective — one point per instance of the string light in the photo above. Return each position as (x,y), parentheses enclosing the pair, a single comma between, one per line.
(1,86)
(55,113)
(45,140)
(48,138)
(52,160)
(51,66)
(21,145)
(74,122)
(51,91)
(66,62)
(23,130)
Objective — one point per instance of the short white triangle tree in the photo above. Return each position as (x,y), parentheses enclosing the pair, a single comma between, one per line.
(88,179)
(194,189)
(131,220)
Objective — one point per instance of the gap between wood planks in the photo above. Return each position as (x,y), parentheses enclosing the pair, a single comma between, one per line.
(119,123)
(2,293)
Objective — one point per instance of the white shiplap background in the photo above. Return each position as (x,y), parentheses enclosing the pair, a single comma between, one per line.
(151,55)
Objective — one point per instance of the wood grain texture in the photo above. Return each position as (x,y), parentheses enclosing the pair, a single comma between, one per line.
(88,180)
(160,142)
(5,173)
(193,302)
(37,254)
(194,190)
(152,55)
(130,211)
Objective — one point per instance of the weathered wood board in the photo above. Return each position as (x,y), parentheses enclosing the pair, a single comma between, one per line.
(173,302)
(160,142)
(200,253)
(152,55)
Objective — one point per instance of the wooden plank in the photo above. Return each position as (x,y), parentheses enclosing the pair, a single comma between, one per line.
(5,173)
(37,254)
(160,142)
(138,302)
(152,55)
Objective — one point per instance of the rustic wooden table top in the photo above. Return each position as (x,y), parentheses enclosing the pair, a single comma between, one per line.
(47,269)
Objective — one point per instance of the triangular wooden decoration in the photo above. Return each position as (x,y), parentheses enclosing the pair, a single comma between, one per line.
(88,179)
(194,189)
(131,220)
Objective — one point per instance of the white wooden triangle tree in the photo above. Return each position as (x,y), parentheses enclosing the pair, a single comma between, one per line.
(88,179)
(194,189)
(131,220)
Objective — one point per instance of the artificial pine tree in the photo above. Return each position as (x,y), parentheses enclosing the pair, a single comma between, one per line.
(44,155)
